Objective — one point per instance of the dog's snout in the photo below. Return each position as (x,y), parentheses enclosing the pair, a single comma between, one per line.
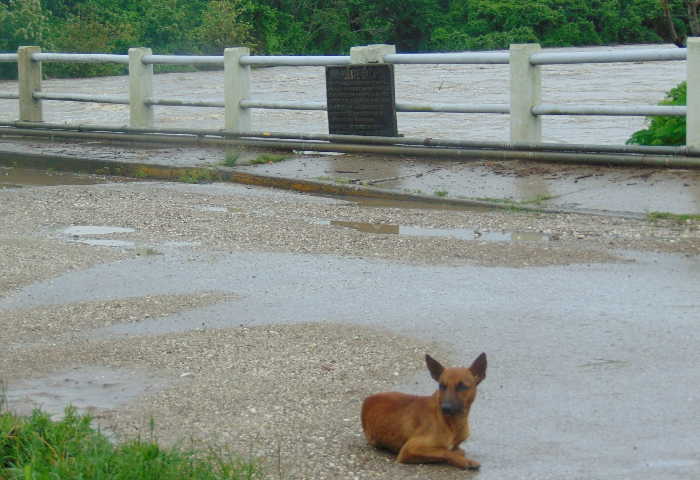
(449,408)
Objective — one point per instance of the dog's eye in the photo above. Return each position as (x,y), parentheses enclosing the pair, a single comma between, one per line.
(462,387)
(443,386)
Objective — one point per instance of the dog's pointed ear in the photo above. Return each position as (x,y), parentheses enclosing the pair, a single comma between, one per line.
(434,367)
(478,368)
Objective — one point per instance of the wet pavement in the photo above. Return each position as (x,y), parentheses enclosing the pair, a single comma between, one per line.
(592,368)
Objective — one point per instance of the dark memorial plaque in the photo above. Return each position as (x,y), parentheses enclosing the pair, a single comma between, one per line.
(361,100)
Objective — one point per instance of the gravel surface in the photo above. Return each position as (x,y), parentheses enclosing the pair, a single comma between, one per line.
(287,394)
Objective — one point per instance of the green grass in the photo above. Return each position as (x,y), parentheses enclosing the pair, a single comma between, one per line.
(231,159)
(197,175)
(441,193)
(675,217)
(538,199)
(36,447)
(268,158)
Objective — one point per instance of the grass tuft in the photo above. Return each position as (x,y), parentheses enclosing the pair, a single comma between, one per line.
(268,158)
(674,217)
(36,447)
(197,175)
(231,159)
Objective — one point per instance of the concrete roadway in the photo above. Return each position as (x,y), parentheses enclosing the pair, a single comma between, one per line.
(593,369)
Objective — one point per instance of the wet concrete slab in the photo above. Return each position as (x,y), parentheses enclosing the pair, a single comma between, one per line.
(638,190)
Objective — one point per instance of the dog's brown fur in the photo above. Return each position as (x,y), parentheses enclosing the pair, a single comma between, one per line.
(426,429)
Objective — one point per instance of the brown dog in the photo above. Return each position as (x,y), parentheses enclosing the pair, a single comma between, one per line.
(426,429)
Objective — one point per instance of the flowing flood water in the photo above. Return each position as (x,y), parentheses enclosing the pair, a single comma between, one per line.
(612,84)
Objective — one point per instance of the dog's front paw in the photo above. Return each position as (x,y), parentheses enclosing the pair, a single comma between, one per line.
(472,464)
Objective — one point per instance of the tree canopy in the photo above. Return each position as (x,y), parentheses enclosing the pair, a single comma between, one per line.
(332,26)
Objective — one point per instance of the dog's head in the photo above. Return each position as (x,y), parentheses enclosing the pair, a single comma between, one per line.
(457,386)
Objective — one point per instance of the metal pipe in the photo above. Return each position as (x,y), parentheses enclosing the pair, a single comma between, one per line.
(78,97)
(373,140)
(449,58)
(9,96)
(80,58)
(631,55)
(656,161)
(174,102)
(182,60)
(452,107)
(298,61)
(8,57)
(614,110)
(282,105)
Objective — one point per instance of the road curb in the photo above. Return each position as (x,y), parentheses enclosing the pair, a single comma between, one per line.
(203,174)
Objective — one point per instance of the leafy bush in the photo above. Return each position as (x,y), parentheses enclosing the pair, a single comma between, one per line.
(222,27)
(22,23)
(664,130)
(90,31)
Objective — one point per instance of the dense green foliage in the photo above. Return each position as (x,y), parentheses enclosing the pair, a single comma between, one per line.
(665,130)
(36,447)
(321,26)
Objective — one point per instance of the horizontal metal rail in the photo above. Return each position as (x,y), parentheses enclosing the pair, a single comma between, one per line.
(298,61)
(472,58)
(631,55)
(80,58)
(9,96)
(79,97)
(368,140)
(174,102)
(283,105)
(453,107)
(610,110)
(182,60)
(8,57)
(479,154)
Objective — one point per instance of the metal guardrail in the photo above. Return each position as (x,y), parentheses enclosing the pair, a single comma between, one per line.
(524,61)
(80,58)
(632,55)
(462,58)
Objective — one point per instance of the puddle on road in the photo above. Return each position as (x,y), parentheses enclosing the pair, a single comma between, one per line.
(459,233)
(14,177)
(105,242)
(232,210)
(89,389)
(77,234)
(78,230)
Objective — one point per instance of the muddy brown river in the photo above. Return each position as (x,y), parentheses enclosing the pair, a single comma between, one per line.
(613,84)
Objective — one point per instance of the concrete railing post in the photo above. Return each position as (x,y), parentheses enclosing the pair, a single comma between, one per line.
(692,125)
(236,88)
(29,76)
(370,53)
(525,93)
(140,89)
